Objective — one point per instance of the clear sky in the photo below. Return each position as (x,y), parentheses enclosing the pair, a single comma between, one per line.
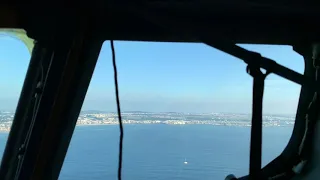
(185,77)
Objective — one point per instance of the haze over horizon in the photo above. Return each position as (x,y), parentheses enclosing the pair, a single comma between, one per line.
(166,77)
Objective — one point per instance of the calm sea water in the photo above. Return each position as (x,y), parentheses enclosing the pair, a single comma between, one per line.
(159,151)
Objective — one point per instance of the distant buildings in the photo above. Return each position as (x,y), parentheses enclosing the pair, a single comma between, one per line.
(171,118)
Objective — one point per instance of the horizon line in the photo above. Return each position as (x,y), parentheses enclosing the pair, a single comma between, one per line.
(106,111)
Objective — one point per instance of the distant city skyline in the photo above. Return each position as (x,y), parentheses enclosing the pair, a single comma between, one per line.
(169,118)
(137,111)
(163,77)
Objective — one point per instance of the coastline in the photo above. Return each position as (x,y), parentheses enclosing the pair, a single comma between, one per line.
(7,130)
(92,118)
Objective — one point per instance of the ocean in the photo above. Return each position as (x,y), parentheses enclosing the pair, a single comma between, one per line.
(158,151)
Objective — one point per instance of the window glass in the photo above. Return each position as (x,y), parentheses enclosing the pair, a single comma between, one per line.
(186,113)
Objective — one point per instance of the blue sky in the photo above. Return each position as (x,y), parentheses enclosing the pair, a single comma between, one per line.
(185,77)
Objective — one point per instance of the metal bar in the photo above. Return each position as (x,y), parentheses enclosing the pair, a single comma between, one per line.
(68,103)
(256,126)
(68,78)
(43,109)
(21,121)
(288,158)
(268,64)
(53,75)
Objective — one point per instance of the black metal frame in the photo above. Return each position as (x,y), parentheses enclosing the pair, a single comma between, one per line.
(22,116)
(49,112)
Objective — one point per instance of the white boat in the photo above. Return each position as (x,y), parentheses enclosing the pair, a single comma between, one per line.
(185,161)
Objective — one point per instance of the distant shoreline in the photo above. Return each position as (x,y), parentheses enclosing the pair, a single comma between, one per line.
(96,118)
(83,125)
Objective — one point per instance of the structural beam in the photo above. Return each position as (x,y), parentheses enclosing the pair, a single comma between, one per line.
(66,71)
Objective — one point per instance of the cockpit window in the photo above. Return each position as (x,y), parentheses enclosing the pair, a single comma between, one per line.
(186,110)
(186,113)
